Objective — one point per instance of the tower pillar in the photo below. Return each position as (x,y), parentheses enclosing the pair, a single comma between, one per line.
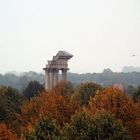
(52,78)
(47,79)
(56,78)
(64,75)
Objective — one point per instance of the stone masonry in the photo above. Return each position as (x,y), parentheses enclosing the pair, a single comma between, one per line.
(59,62)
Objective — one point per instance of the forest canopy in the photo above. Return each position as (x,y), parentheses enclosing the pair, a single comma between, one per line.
(88,112)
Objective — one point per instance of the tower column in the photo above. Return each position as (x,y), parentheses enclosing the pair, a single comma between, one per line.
(47,79)
(64,75)
(56,78)
(52,78)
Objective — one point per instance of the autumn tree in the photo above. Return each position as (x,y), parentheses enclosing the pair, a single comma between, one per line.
(64,88)
(118,103)
(32,89)
(101,126)
(6,133)
(48,104)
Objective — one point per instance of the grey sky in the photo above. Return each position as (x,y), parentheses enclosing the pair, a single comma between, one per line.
(99,33)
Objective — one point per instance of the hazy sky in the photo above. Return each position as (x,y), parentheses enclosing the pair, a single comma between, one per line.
(99,33)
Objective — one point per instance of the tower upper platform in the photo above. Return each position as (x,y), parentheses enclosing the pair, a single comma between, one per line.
(63,55)
(60,61)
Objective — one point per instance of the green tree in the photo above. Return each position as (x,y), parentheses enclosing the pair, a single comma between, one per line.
(32,89)
(136,94)
(10,103)
(102,126)
(46,129)
(77,129)
(86,90)
(107,128)
(131,90)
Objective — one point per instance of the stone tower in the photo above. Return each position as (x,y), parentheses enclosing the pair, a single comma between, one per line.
(59,62)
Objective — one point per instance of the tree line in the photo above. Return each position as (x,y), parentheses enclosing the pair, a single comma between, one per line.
(86,112)
(106,78)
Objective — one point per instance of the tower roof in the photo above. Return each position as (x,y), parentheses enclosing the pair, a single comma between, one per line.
(63,55)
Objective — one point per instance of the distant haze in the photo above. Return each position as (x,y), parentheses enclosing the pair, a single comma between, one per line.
(99,33)
(131,69)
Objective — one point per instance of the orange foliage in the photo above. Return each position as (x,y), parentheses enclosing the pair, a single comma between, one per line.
(116,102)
(59,105)
(50,105)
(63,88)
(5,133)
(120,105)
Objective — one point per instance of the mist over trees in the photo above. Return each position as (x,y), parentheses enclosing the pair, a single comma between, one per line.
(106,78)
(127,69)
(20,81)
